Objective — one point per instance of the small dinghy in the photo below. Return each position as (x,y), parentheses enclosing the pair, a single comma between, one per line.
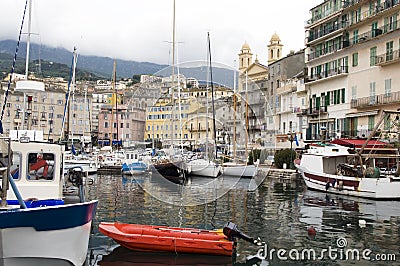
(174,239)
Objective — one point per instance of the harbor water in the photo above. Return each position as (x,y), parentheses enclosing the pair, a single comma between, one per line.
(297,226)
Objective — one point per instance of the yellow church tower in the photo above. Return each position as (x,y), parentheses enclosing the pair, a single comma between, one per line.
(274,49)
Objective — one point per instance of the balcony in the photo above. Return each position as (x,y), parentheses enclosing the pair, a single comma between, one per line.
(388,58)
(329,73)
(387,28)
(287,88)
(321,33)
(328,50)
(378,100)
(303,112)
(350,3)
(319,15)
(316,111)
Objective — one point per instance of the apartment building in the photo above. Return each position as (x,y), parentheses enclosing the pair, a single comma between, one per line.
(352,58)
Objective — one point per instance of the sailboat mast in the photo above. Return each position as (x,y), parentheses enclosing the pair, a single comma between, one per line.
(28,45)
(247,122)
(234,113)
(112,104)
(116,103)
(173,77)
(212,94)
(28,41)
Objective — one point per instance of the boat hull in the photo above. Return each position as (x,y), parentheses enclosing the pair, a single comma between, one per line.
(201,167)
(384,188)
(168,239)
(87,167)
(135,168)
(172,171)
(56,232)
(248,171)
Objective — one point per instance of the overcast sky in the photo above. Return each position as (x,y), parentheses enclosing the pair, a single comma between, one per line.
(142,30)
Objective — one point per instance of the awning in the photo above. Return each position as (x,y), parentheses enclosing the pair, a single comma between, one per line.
(357,143)
(362,114)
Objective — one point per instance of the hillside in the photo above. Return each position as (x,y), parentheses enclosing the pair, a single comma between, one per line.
(57,62)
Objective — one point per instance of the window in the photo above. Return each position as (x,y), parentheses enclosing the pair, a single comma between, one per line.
(343,93)
(354,92)
(375,30)
(38,164)
(389,51)
(355,59)
(371,122)
(355,36)
(372,56)
(372,93)
(388,87)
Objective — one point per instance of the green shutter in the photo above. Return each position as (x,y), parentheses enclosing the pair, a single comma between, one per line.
(343,95)
(327,99)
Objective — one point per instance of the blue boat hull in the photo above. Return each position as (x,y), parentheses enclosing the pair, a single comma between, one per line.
(54,232)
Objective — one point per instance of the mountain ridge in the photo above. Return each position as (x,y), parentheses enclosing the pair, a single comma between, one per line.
(103,66)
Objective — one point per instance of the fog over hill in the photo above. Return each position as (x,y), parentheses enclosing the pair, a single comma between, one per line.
(103,66)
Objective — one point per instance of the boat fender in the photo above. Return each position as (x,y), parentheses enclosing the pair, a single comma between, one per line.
(333,183)
(327,185)
(341,185)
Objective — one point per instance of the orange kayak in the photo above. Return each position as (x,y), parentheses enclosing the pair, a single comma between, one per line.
(168,239)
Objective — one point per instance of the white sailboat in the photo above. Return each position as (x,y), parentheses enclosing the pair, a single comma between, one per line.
(72,160)
(206,166)
(235,168)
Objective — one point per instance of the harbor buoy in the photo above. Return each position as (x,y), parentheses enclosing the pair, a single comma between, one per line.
(362,223)
(311,231)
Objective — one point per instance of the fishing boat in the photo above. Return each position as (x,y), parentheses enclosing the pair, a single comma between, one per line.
(174,239)
(35,220)
(342,170)
(133,163)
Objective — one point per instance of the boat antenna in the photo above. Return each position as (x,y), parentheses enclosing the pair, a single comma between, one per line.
(12,69)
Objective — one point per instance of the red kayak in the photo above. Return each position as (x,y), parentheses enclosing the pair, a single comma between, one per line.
(168,239)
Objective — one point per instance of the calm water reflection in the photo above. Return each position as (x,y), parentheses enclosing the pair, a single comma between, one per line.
(276,211)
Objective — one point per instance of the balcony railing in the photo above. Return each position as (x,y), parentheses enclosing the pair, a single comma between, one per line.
(318,16)
(377,100)
(315,111)
(329,73)
(327,50)
(349,3)
(288,88)
(321,33)
(388,58)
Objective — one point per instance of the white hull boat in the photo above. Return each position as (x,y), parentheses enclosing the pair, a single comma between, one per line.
(239,170)
(202,167)
(35,222)
(325,168)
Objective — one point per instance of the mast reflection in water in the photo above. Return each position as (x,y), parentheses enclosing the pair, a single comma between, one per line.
(279,212)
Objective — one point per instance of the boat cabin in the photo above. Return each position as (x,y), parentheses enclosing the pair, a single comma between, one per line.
(36,168)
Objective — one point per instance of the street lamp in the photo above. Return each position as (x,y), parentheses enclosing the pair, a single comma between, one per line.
(291,139)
